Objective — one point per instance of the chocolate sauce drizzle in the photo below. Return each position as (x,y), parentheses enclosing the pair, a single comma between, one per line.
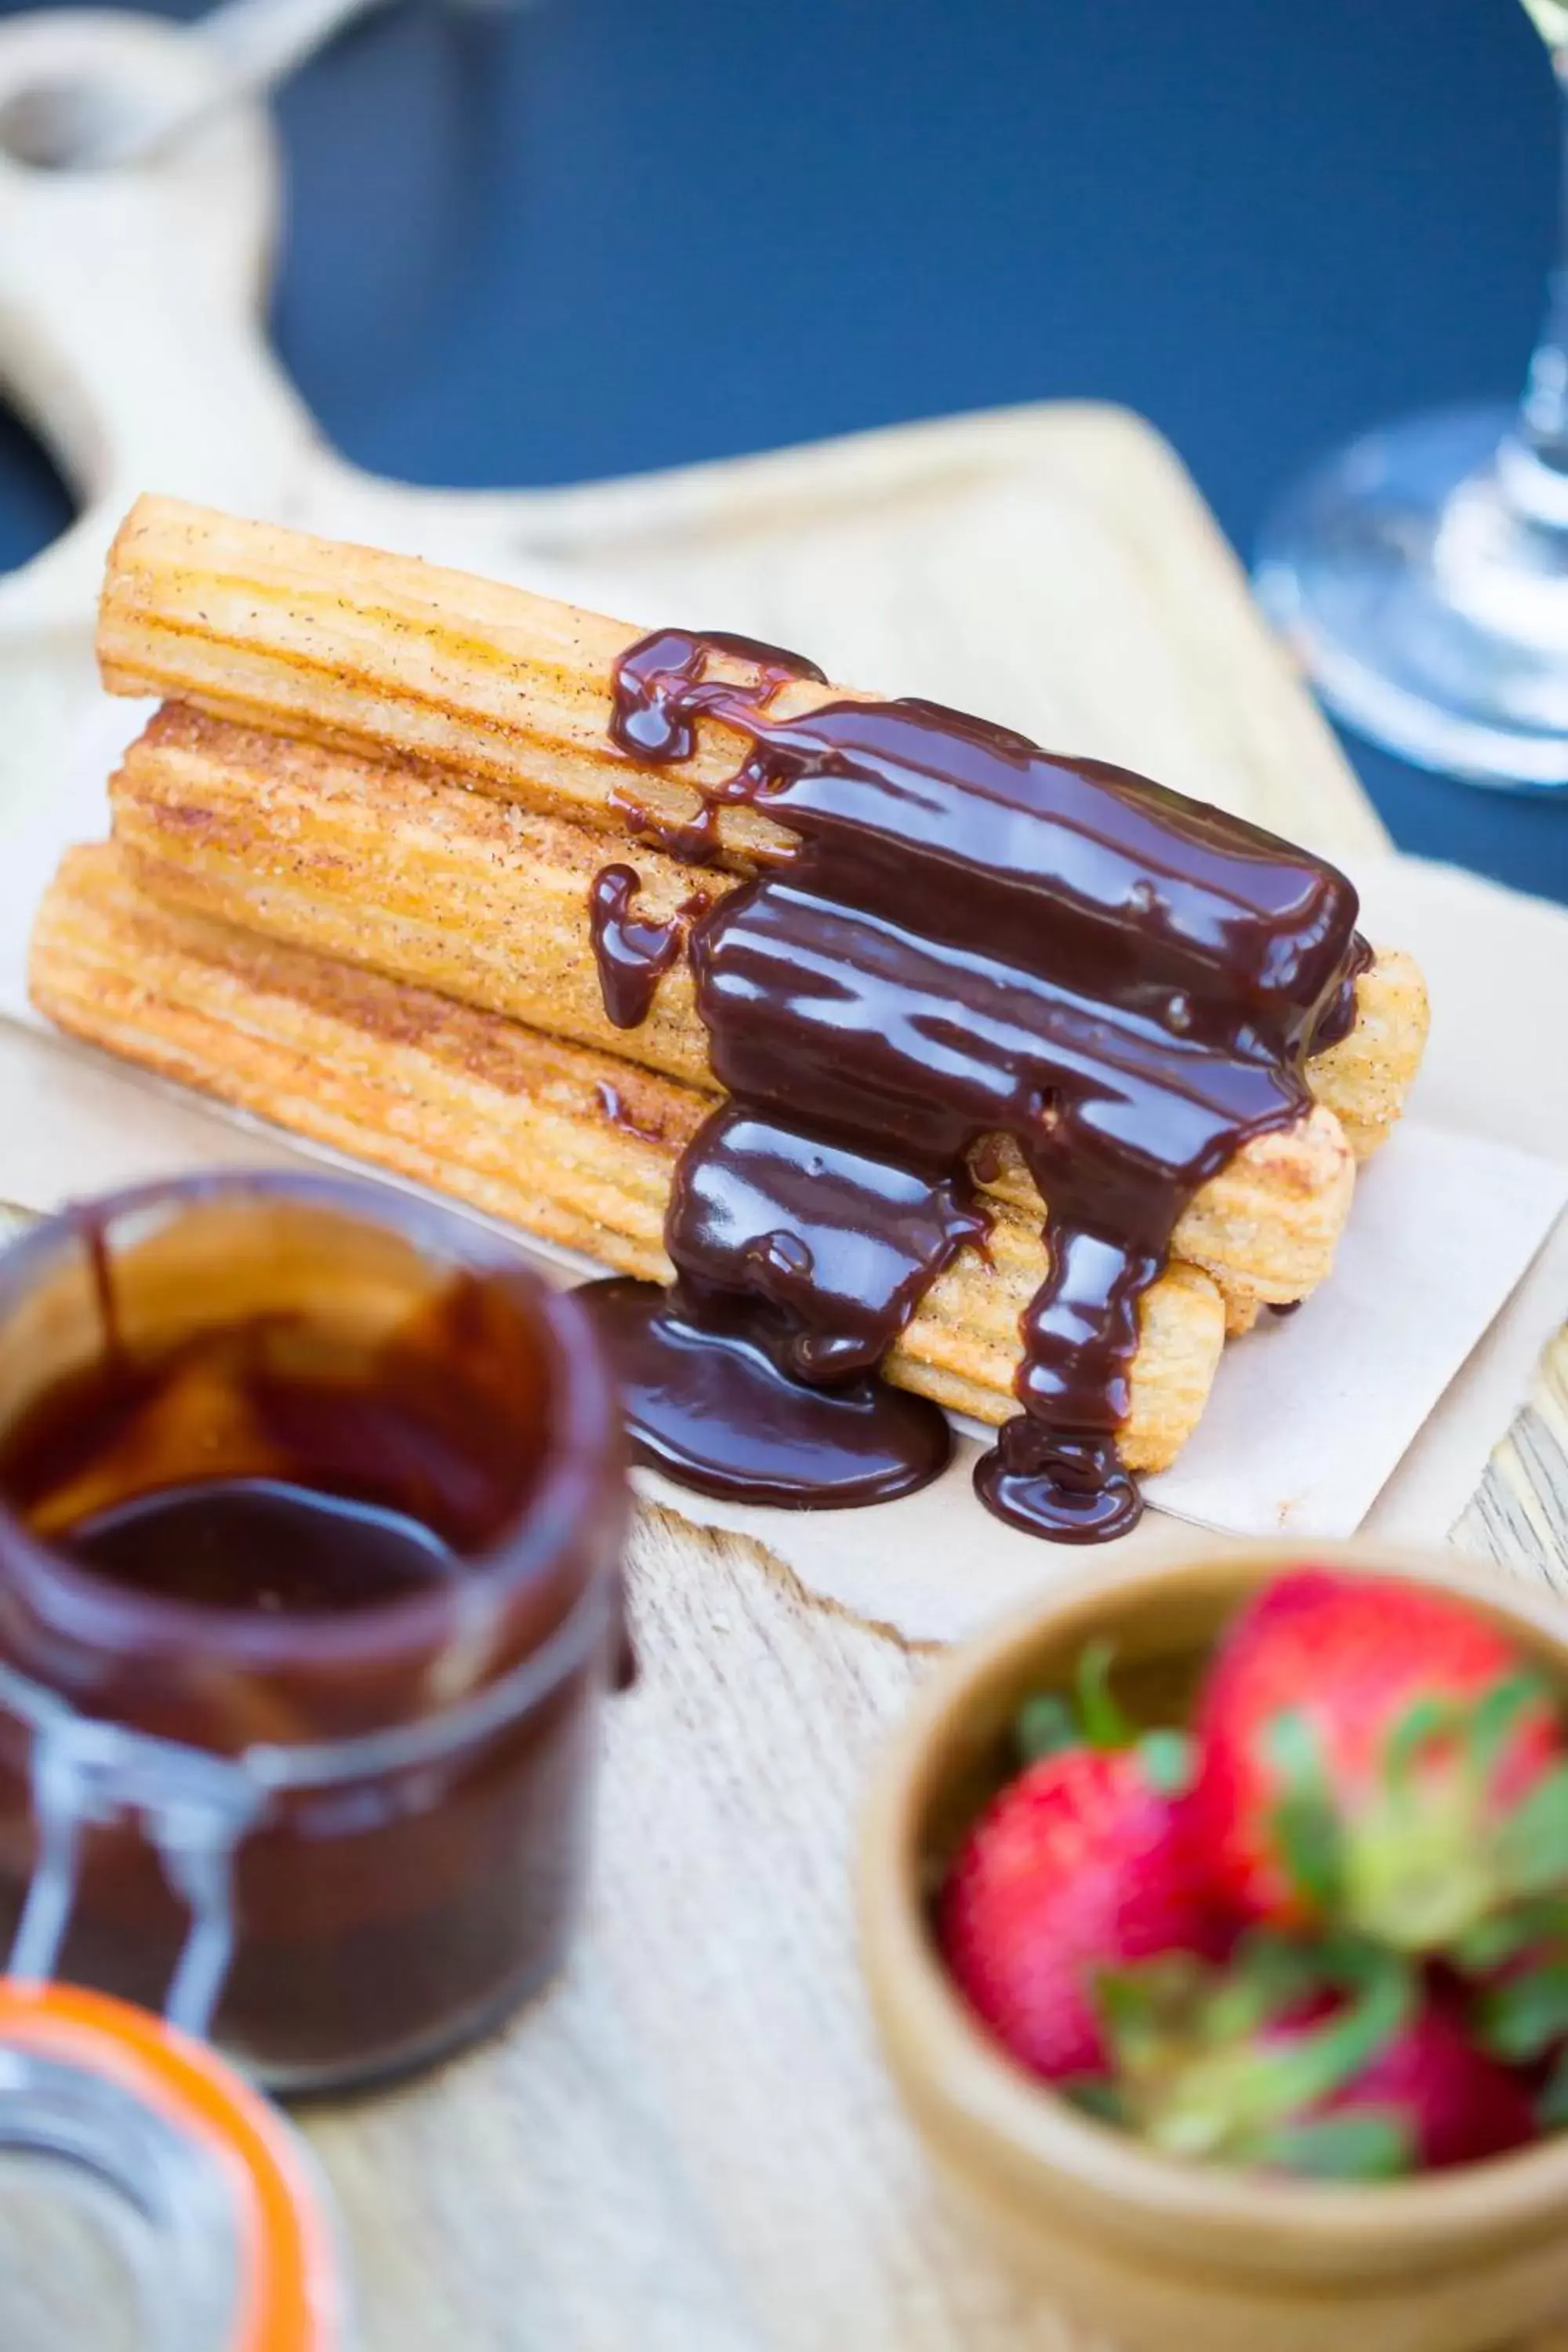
(656,729)
(970,937)
(613,1104)
(632,955)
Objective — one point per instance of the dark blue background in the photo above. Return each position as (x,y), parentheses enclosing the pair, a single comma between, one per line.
(599,236)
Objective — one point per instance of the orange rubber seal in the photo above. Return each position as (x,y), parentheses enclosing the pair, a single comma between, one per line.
(288,2299)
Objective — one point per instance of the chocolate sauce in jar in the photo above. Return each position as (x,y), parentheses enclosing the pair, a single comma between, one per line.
(293,1467)
(189,1471)
(280,1547)
(971,938)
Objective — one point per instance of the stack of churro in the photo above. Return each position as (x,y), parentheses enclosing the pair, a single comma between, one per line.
(349,889)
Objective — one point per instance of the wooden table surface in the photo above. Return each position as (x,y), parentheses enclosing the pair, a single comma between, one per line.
(690,2144)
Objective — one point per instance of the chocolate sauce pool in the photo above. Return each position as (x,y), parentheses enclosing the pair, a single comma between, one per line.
(972,938)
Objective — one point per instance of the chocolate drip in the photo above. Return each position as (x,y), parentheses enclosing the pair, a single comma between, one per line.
(632,956)
(660,695)
(841,1243)
(971,938)
(987,1161)
(661,692)
(614,1109)
(694,840)
(88,1225)
(1338,1017)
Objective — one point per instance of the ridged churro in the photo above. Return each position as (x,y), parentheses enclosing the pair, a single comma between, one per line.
(569,1143)
(387,866)
(364,651)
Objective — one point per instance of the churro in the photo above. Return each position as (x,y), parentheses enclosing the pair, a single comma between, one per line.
(571,1144)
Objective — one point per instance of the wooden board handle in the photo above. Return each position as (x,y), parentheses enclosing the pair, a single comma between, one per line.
(131,307)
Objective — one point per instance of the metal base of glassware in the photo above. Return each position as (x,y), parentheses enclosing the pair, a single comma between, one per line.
(1420,577)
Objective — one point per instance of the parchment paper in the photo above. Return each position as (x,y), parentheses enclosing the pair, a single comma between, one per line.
(1376,1405)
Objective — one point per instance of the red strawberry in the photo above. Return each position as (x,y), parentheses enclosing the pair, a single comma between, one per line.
(1374,1752)
(1366,2076)
(1079,1865)
(1456,2104)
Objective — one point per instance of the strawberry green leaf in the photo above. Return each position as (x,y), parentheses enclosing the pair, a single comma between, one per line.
(1382,2001)
(1170,1761)
(1292,1745)
(1522,2019)
(1498,1717)
(1093,2096)
(1428,1722)
(1503,1935)
(1535,1838)
(1277,1974)
(1136,1999)
(1224,2083)
(1104,1724)
(1149,2008)
(1046,1725)
(1552,2105)
(1306,1825)
(1266,1979)
(1125,2001)
(1373,2145)
(1538,1926)
(1311,1845)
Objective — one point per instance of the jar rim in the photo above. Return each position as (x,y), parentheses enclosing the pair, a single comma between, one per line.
(582,1461)
(289,2293)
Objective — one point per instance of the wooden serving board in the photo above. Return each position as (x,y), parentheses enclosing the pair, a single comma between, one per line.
(689,2145)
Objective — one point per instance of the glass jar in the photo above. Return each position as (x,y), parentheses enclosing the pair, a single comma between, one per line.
(150,2200)
(352,1836)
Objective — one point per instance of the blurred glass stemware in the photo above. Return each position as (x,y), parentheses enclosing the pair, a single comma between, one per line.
(1420,576)
(90,125)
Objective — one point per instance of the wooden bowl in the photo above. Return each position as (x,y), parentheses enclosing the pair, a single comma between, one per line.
(1163,2255)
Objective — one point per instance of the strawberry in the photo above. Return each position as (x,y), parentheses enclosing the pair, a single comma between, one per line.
(1078,1864)
(1456,2104)
(1337,2063)
(1373,1753)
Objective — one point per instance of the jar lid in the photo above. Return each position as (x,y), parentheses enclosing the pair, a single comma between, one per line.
(214,2204)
